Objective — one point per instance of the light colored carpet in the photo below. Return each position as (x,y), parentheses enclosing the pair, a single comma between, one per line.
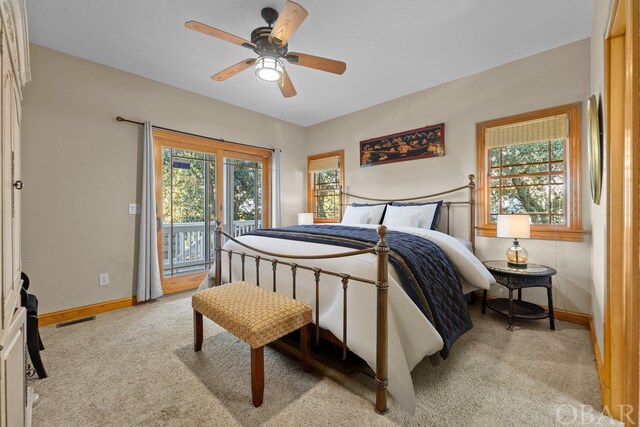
(136,366)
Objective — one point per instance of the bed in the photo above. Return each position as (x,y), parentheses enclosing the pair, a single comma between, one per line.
(333,268)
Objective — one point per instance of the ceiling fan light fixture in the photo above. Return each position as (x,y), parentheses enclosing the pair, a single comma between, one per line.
(269,69)
(271,44)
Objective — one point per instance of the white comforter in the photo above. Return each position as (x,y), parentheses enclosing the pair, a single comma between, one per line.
(411,335)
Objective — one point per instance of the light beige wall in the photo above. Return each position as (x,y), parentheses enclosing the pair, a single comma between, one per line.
(85,167)
(81,170)
(599,212)
(555,77)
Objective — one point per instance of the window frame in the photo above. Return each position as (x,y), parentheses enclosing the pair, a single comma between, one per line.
(310,197)
(572,231)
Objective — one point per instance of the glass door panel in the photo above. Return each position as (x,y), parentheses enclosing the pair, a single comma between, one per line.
(188,206)
(243,195)
(214,209)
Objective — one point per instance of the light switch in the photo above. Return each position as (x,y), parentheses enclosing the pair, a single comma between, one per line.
(134,209)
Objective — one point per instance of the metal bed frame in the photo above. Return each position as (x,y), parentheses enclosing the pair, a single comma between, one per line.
(381,250)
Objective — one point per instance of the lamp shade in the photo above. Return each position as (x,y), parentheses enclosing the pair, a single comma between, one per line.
(268,69)
(515,226)
(305,218)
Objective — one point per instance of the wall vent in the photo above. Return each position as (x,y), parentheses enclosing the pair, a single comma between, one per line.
(73,322)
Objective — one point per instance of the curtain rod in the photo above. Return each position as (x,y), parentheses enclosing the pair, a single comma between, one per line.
(122,119)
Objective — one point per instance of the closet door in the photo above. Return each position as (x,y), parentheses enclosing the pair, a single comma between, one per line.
(9,291)
(10,194)
(16,184)
(13,56)
(6,307)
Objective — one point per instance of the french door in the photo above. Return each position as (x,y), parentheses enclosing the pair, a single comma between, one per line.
(199,180)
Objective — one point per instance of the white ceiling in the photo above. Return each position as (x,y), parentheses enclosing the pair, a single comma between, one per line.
(392,48)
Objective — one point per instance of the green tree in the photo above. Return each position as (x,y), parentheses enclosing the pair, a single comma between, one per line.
(189,187)
(529,178)
(247,190)
(327,203)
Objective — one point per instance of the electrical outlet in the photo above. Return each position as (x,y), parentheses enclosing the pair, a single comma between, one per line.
(103,279)
(134,209)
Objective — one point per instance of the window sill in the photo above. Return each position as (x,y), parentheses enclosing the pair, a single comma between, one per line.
(542,233)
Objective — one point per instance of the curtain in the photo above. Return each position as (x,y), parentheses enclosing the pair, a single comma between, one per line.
(276,202)
(149,284)
(324,164)
(538,130)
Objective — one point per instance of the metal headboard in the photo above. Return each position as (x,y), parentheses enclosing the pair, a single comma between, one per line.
(471,202)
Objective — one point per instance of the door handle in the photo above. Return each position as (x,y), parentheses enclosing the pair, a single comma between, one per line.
(18,185)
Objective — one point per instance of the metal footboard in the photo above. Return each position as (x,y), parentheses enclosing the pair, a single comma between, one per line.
(381,250)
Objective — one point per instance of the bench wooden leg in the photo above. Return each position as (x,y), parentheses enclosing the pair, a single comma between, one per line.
(197,331)
(257,375)
(305,347)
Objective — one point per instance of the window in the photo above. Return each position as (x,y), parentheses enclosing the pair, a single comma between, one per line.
(324,182)
(530,164)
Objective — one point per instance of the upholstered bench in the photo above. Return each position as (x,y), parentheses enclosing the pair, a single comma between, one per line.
(257,316)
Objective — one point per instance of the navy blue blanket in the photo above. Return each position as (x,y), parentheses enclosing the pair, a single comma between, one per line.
(425,272)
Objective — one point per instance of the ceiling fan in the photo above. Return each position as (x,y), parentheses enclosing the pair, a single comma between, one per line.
(271,45)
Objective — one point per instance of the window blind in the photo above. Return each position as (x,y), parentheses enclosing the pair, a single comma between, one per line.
(324,164)
(540,130)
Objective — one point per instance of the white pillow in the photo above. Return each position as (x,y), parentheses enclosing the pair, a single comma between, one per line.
(429,214)
(374,211)
(355,216)
(425,213)
(401,220)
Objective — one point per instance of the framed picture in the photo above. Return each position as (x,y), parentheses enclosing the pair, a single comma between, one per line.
(408,145)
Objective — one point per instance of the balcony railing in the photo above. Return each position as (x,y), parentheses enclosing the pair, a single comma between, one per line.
(189,244)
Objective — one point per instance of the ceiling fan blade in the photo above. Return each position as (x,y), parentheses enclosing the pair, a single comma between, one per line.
(233,70)
(289,20)
(286,86)
(223,35)
(317,62)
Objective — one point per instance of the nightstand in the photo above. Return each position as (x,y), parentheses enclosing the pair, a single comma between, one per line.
(534,275)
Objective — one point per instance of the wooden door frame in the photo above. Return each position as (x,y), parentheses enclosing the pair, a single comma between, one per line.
(221,149)
(620,396)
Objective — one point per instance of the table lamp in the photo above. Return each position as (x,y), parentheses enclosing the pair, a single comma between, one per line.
(305,218)
(516,227)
